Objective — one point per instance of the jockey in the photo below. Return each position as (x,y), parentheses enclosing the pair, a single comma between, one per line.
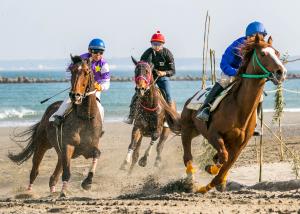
(101,72)
(231,60)
(164,67)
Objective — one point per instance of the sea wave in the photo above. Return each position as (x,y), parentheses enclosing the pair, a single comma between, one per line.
(16,113)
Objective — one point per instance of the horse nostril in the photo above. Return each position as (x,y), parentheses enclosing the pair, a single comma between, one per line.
(279,72)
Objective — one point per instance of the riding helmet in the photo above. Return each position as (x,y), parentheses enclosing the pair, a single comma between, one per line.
(256,27)
(97,44)
(158,37)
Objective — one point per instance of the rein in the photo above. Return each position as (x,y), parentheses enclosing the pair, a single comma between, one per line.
(149,109)
(256,60)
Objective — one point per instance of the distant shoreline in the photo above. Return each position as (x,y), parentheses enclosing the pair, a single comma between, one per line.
(23,79)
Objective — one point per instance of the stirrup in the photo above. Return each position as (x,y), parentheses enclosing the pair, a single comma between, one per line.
(204,114)
(257,133)
(58,120)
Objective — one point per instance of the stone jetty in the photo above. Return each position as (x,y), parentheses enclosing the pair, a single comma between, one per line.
(23,79)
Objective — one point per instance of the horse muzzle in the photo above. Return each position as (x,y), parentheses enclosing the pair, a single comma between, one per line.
(76,98)
(278,76)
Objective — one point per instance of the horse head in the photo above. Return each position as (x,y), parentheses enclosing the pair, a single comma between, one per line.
(81,79)
(264,60)
(142,76)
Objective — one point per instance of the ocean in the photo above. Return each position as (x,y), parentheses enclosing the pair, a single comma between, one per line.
(20,103)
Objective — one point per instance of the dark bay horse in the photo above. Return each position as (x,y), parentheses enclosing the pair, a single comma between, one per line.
(232,123)
(151,112)
(78,135)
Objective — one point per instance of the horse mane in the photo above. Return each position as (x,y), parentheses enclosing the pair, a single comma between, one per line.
(246,51)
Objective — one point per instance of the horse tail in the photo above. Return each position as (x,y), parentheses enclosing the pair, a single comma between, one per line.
(173,117)
(29,149)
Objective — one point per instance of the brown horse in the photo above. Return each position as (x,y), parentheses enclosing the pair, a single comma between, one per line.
(232,124)
(151,112)
(78,135)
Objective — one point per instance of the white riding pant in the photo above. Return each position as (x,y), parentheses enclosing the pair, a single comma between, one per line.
(67,104)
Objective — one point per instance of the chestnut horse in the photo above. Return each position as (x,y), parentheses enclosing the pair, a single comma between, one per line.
(78,135)
(151,112)
(232,124)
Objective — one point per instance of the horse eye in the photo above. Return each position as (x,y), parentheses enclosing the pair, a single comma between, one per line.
(263,54)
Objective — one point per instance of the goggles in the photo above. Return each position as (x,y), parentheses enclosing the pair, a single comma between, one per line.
(97,51)
(156,44)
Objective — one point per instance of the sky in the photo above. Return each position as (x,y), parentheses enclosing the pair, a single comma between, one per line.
(40,29)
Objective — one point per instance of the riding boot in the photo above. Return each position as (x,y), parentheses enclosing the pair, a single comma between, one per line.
(204,112)
(131,116)
(58,117)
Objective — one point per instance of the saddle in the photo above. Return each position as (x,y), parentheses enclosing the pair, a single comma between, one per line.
(199,97)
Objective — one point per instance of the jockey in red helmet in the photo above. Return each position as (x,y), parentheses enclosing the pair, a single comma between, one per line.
(163,68)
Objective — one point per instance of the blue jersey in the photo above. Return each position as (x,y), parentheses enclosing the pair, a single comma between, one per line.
(231,59)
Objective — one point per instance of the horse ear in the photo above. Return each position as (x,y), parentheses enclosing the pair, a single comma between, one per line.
(257,38)
(134,60)
(72,58)
(270,40)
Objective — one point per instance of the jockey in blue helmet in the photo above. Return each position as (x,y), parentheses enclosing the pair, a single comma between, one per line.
(97,44)
(231,61)
(101,72)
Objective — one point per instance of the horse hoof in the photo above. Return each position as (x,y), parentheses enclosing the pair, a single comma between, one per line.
(143,161)
(62,195)
(221,187)
(86,186)
(124,166)
(212,169)
(157,163)
(202,190)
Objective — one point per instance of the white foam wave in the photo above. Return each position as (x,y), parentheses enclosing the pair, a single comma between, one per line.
(16,113)
(284,110)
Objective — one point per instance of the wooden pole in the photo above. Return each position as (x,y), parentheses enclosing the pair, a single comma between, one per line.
(261,144)
(214,67)
(280,137)
(203,54)
(211,65)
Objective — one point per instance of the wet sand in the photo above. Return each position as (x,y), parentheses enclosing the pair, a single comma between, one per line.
(156,190)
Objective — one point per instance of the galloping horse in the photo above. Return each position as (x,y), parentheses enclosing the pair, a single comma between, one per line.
(232,124)
(151,112)
(78,135)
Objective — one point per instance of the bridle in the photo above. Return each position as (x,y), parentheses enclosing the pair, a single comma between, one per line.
(89,85)
(266,73)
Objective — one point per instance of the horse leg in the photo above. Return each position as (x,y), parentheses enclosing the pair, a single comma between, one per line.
(186,138)
(221,178)
(36,161)
(160,145)
(143,160)
(135,155)
(54,177)
(135,137)
(66,163)
(220,158)
(215,168)
(87,183)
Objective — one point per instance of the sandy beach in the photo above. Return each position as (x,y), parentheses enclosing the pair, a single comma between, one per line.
(151,189)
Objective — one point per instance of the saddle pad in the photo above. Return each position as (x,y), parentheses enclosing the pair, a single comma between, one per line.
(200,96)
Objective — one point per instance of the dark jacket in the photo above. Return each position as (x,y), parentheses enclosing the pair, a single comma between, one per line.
(162,61)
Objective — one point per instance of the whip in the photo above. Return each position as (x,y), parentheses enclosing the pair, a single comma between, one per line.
(45,100)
